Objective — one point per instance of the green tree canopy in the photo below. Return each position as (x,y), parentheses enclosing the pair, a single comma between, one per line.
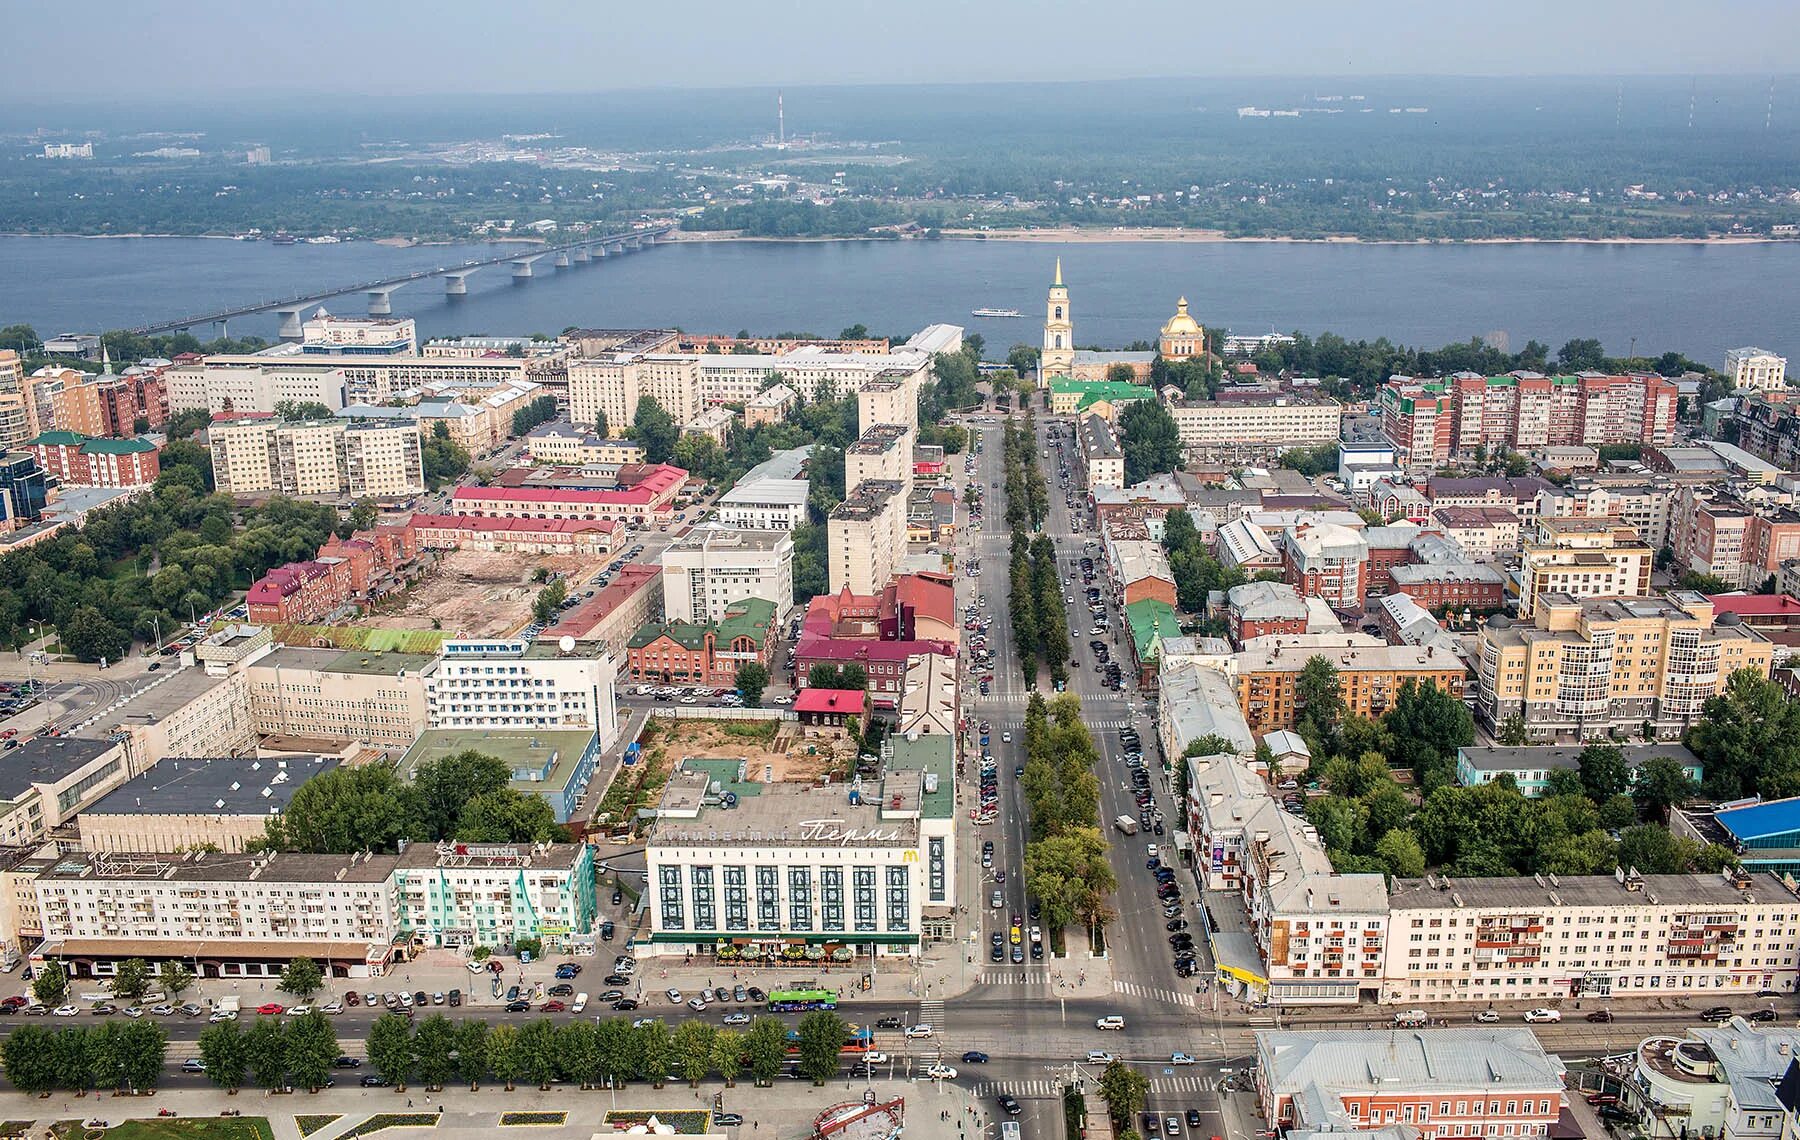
(1150,439)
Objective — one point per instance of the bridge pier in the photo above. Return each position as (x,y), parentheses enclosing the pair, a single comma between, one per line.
(456,285)
(562,259)
(522,268)
(290,322)
(615,248)
(634,244)
(381,303)
(582,256)
(219,330)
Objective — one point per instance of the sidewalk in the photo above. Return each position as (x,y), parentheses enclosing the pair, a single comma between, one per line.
(784,1111)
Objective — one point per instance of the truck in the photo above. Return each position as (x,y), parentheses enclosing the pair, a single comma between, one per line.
(1126,824)
(1411,1019)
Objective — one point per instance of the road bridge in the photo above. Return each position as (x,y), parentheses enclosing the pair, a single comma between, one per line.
(564,255)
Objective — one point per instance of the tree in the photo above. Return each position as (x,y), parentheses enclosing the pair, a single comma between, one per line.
(548,599)
(51,986)
(1318,697)
(822,1037)
(1748,739)
(508,816)
(312,1048)
(693,1049)
(655,1051)
(1151,440)
(301,977)
(1512,732)
(1653,850)
(1425,728)
(363,514)
(266,1049)
(1581,355)
(752,679)
(471,1051)
(390,1049)
(728,1055)
(503,1053)
(578,1052)
(1661,784)
(433,1046)
(91,636)
(444,461)
(223,1052)
(74,1060)
(1400,852)
(365,808)
(1125,1090)
(655,429)
(1563,782)
(765,1046)
(132,981)
(618,1051)
(537,1050)
(446,786)
(27,1053)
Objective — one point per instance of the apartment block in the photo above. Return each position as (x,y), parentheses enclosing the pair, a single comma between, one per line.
(1370,673)
(1324,560)
(882,453)
(866,537)
(331,694)
(500,684)
(1251,425)
(1432,421)
(82,461)
(1102,461)
(1582,558)
(1588,666)
(710,568)
(317,457)
(1644,507)
(459,896)
(1590,936)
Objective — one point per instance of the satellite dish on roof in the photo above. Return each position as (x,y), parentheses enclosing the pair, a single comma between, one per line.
(566,643)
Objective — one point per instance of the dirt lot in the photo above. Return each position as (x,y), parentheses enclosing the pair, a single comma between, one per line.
(795,756)
(473,593)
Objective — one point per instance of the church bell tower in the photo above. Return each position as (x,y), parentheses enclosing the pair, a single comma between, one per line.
(1058,357)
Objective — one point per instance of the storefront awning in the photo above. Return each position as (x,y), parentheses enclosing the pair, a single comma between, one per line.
(1237,957)
(679,936)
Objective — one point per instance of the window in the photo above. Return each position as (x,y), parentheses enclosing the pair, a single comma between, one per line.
(705,916)
(800,898)
(768,898)
(864,879)
(669,880)
(831,881)
(898,895)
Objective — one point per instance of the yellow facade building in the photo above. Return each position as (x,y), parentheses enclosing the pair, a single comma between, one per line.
(1588,666)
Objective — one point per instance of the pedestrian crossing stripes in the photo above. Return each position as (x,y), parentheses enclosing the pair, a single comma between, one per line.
(1137,990)
(932,1013)
(1012,977)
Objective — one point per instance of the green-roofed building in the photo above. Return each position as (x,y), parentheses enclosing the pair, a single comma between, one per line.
(92,461)
(555,764)
(1103,397)
(709,654)
(1152,620)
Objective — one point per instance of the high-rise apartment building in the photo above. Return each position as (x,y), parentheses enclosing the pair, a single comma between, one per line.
(1432,421)
(1583,558)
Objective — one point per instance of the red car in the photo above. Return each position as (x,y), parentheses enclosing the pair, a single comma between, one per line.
(13,1002)
(552,1007)
(270,1007)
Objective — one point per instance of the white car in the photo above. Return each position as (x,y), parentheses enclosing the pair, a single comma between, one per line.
(1006,738)
(332,1007)
(1543,1013)
(1182,1059)
(223,1015)
(1111,1021)
(162,1010)
(697,1005)
(1099,1057)
(299,1009)
(1488,1016)
(941,1073)
(875,1058)
(65,1011)
(476,967)
(911,1030)
(133,1011)
(737,1019)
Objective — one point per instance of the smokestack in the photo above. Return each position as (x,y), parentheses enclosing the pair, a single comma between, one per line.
(780,124)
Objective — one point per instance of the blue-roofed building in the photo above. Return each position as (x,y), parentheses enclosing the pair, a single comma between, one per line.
(1766,835)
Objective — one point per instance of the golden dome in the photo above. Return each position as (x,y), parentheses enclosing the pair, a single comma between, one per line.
(1181,324)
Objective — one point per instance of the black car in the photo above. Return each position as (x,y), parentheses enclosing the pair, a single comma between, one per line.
(618,979)
(1009,1106)
(455,997)
(373,1082)
(1613,1114)
(1193,1118)
(517,1006)
(1760,1015)
(625,1003)
(997,952)
(1716,1013)
(348,1062)
(1037,951)
(610,995)
(756,994)
(561,989)
(975,1057)
(1182,939)
(1175,924)
(889,1022)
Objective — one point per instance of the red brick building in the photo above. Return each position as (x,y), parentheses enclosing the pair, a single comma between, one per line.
(85,461)
(832,708)
(299,593)
(1456,585)
(689,653)
(884,662)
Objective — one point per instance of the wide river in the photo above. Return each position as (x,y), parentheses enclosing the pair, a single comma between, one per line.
(1695,299)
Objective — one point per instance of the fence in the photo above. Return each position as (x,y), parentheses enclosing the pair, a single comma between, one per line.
(684,712)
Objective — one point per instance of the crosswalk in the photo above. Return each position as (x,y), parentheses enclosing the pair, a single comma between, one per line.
(995,728)
(1026,1089)
(1136,989)
(1012,977)
(932,1013)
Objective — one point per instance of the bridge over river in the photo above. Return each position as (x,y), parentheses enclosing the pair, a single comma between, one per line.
(456,277)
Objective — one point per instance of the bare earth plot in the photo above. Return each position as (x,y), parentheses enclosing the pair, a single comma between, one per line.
(473,593)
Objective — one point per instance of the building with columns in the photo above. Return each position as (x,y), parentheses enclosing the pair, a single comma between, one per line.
(1182,337)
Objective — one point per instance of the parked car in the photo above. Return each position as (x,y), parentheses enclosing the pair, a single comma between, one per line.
(1543,1013)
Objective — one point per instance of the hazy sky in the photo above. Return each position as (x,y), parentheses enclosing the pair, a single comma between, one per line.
(183,48)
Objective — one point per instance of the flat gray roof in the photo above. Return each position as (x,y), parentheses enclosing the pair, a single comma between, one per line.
(1502,759)
(45,760)
(1582,890)
(226,786)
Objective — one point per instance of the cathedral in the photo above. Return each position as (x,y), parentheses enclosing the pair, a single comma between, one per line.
(1181,338)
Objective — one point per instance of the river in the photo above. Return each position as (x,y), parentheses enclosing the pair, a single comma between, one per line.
(1695,299)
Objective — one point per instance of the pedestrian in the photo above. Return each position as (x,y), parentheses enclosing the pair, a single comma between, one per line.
(409,1102)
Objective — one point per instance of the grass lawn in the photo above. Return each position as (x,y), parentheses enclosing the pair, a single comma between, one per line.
(312,1122)
(194,1128)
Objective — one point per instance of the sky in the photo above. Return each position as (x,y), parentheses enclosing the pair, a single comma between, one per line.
(196,49)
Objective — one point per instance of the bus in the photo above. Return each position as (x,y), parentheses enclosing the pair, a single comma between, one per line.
(795,1001)
(1009,1130)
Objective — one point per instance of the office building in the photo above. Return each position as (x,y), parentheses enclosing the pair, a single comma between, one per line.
(770,406)
(1588,667)
(710,568)
(565,444)
(615,612)
(765,504)
(23,490)
(499,683)
(46,781)
(187,804)
(1194,702)
(331,694)
(1103,398)
(323,334)
(1249,425)
(1327,561)
(457,896)
(708,654)
(1473,1082)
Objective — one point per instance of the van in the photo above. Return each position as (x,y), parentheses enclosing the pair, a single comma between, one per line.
(1126,824)
(581,1000)
(1411,1019)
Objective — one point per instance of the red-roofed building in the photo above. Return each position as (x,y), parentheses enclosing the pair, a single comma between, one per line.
(299,592)
(884,662)
(832,708)
(920,607)
(645,494)
(615,612)
(1759,611)
(516,535)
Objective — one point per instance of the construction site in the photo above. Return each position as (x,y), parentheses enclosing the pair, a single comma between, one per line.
(477,593)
